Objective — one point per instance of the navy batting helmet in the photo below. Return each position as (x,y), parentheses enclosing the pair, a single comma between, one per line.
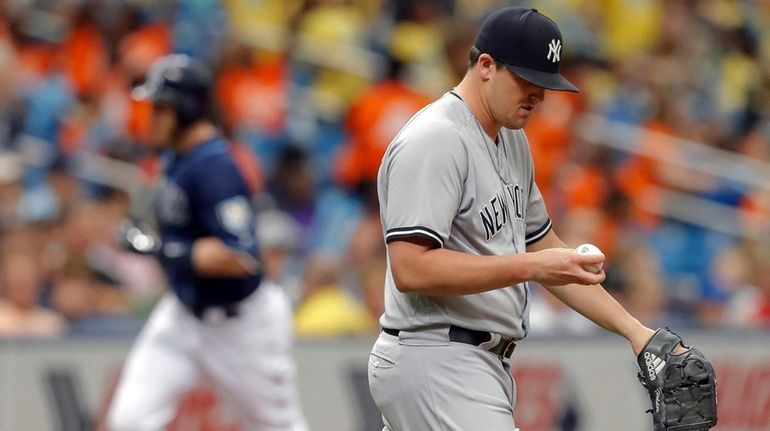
(182,82)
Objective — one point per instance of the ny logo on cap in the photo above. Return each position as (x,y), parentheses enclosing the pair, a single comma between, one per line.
(554,48)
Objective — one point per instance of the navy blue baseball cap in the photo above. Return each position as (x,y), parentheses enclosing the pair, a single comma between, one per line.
(528,43)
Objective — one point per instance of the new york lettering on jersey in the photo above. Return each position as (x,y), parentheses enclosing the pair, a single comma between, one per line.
(496,212)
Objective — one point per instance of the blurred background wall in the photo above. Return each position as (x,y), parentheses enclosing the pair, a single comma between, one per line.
(663,159)
(562,384)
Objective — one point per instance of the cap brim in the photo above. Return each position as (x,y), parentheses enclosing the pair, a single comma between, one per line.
(550,81)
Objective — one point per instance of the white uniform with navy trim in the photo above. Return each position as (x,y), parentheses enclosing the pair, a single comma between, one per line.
(442,178)
(234,333)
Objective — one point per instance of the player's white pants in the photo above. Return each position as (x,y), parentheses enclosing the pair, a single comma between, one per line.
(247,358)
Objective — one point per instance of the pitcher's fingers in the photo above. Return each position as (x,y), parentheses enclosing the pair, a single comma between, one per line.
(584,259)
(589,278)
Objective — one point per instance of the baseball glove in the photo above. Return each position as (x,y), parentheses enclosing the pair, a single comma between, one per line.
(682,387)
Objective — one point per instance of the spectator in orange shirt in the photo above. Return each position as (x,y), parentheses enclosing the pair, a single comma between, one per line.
(140,48)
(259,123)
(84,54)
(246,72)
(373,121)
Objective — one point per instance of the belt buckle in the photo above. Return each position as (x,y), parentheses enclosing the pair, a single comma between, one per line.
(509,348)
(218,314)
(231,310)
(214,315)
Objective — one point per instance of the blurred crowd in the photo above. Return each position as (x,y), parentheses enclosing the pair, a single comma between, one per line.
(311,92)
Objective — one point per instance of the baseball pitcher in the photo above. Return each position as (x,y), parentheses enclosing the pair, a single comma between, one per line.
(466,229)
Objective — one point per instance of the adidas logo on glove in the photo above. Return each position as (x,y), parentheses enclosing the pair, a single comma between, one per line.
(654,364)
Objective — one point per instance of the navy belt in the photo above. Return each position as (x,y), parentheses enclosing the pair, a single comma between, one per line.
(503,348)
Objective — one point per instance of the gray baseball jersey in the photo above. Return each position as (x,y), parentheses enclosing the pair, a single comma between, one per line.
(444,179)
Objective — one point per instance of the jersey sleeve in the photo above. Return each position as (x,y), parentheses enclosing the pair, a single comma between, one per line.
(421,184)
(222,204)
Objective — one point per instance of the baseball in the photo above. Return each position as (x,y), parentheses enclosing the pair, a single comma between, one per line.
(591,249)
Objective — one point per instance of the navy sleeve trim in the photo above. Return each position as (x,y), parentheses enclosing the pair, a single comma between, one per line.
(538,234)
(408,232)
